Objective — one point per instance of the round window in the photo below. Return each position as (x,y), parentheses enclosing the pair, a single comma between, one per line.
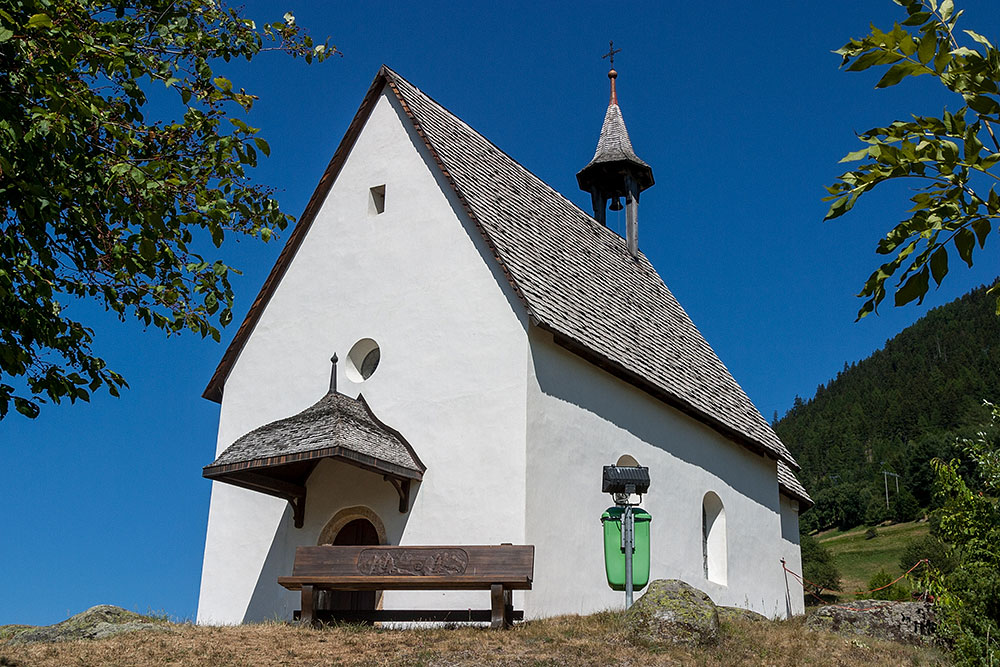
(362,360)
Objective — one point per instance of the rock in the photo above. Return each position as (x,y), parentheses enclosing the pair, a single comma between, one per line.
(739,614)
(908,622)
(96,623)
(675,612)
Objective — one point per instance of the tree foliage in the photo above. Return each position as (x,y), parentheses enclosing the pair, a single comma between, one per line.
(818,568)
(969,523)
(101,200)
(951,159)
(896,410)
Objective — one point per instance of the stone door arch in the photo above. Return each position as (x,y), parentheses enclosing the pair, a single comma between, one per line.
(352,526)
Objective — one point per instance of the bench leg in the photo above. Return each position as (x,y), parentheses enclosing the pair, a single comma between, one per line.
(308,616)
(503,608)
(497,600)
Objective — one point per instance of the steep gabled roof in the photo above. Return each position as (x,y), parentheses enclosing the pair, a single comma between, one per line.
(574,275)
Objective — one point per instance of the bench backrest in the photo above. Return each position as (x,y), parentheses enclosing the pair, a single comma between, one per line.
(480,563)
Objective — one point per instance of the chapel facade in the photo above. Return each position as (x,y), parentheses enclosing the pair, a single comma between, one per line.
(496,346)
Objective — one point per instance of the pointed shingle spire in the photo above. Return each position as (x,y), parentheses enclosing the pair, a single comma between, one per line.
(616,171)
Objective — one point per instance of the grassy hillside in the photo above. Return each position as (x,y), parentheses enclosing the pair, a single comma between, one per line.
(859,559)
(601,639)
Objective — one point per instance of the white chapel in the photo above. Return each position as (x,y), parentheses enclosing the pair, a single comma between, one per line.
(497,346)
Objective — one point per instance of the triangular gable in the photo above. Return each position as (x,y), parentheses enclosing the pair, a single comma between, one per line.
(574,275)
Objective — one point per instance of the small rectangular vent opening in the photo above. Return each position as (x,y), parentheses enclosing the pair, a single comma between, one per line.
(378,199)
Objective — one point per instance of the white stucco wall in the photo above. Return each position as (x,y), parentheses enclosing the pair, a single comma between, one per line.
(581,418)
(794,603)
(419,280)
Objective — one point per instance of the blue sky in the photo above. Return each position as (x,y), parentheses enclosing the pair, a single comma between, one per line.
(740,109)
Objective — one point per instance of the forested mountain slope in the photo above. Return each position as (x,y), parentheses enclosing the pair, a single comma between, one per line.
(894,411)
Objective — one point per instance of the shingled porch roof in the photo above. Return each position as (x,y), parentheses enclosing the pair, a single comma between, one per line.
(575,276)
(278,458)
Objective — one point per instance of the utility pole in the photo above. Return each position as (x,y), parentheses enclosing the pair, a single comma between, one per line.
(885,477)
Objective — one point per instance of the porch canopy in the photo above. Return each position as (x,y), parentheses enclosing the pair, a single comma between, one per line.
(278,458)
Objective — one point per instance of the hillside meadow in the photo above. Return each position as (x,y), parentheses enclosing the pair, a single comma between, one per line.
(859,558)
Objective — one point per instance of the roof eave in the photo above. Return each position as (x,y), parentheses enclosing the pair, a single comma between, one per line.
(221,471)
(804,501)
(597,171)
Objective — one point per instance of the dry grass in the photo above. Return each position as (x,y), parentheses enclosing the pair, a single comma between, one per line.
(601,639)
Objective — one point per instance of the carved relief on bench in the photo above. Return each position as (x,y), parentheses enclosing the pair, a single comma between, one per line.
(413,562)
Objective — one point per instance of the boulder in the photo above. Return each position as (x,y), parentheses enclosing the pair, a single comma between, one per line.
(673,611)
(96,623)
(907,622)
(739,614)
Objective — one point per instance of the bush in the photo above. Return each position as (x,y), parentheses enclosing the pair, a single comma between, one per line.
(929,548)
(904,507)
(968,522)
(817,567)
(887,592)
(876,512)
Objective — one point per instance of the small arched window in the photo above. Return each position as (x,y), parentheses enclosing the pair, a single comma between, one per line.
(713,538)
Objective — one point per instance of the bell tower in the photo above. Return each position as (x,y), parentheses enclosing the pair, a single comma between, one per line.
(616,172)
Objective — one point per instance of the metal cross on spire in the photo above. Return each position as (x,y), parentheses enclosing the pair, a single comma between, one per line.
(611,53)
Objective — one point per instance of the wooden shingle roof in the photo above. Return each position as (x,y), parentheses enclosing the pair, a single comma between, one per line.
(575,276)
(789,484)
(336,426)
(278,458)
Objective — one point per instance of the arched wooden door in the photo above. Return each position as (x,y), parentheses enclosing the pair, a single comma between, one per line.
(357,532)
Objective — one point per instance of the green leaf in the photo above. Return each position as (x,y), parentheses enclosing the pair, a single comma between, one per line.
(965,51)
(39,21)
(855,155)
(263,146)
(918,18)
(147,249)
(927,48)
(26,407)
(965,241)
(915,288)
(942,60)
(939,264)
(947,8)
(222,83)
(984,104)
(5,34)
(874,58)
(979,38)
(982,228)
(898,72)
(837,208)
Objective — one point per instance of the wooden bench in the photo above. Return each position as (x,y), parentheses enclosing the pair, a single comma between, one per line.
(499,569)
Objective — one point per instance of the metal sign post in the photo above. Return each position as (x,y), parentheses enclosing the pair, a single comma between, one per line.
(623,480)
(628,546)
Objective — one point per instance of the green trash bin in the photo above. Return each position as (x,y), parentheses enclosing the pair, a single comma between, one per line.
(614,554)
